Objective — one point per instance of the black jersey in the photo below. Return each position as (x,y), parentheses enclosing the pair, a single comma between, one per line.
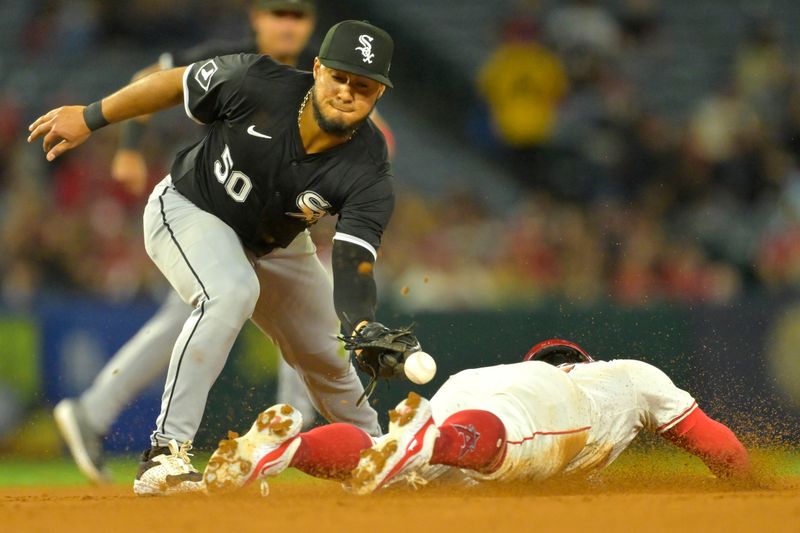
(220,47)
(251,169)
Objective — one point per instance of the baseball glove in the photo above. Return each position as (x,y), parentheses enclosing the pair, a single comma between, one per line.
(380,352)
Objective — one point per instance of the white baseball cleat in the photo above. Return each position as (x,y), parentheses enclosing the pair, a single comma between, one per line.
(167,470)
(85,445)
(266,450)
(407,447)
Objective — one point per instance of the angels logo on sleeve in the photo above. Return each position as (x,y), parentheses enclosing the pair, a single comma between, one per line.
(204,74)
(312,206)
(366,47)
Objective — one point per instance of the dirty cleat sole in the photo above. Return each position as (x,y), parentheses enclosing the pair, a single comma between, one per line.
(265,450)
(407,446)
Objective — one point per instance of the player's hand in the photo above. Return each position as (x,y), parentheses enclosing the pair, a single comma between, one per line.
(61,129)
(380,352)
(130,169)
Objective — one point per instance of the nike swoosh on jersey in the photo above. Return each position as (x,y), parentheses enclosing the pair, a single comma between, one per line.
(252,131)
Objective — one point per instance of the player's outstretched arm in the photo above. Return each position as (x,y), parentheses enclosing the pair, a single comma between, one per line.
(379,351)
(714,443)
(68,127)
(354,293)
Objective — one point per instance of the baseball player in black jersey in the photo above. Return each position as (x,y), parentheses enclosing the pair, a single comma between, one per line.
(281,29)
(228,225)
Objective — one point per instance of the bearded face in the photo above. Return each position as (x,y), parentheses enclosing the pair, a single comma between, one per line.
(342,101)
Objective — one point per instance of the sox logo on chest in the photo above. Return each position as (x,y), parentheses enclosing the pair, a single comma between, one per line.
(312,206)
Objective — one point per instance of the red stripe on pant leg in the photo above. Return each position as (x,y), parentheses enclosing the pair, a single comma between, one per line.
(563,432)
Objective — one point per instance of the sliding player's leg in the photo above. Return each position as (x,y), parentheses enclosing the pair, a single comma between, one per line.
(274,443)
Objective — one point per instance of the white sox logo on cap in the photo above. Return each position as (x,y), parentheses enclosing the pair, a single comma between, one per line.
(313,207)
(366,47)
(359,48)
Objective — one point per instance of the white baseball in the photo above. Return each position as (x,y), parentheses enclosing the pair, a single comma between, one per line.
(420,367)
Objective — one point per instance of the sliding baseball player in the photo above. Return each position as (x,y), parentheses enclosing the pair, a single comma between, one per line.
(531,420)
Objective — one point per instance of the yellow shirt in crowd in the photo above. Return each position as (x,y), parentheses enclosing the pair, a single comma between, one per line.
(522,84)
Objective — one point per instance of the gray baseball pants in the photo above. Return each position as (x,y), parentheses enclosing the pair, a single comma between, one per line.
(145,357)
(287,294)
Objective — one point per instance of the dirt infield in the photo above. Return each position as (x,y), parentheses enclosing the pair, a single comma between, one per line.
(622,505)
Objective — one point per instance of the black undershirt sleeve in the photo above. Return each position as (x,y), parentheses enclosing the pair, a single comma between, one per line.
(354,293)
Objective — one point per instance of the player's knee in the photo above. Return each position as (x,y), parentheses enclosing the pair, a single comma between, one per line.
(238,292)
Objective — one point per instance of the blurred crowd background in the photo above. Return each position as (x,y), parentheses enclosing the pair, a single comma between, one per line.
(632,151)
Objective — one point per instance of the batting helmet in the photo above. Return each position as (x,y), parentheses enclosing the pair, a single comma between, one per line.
(558,352)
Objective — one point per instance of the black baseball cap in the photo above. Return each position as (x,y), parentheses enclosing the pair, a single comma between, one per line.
(358,47)
(300,6)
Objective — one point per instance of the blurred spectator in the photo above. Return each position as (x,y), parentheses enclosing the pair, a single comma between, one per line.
(719,125)
(789,131)
(522,83)
(63,28)
(778,253)
(593,127)
(584,24)
(640,21)
(650,160)
(156,22)
(761,68)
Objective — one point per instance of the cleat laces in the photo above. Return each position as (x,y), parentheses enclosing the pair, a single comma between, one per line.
(181,456)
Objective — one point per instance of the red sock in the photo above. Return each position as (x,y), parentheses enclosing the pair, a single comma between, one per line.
(330,451)
(712,442)
(471,439)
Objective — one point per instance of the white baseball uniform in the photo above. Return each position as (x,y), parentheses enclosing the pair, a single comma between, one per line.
(561,421)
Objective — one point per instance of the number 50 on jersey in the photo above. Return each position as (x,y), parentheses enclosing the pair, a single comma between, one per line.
(237,184)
